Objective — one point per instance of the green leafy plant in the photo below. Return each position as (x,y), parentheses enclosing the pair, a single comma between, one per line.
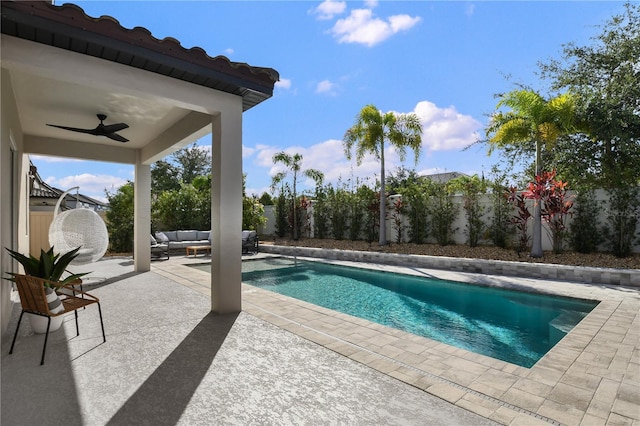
(584,232)
(501,226)
(520,219)
(472,188)
(417,198)
(49,266)
(398,210)
(443,214)
(622,220)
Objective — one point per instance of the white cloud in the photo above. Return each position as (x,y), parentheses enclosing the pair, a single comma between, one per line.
(329,8)
(258,191)
(430,171)
(91,185)
(229,51)
(328,157)
(326,87)
(284,83)
(247,151)
(362,27)
(445,128)
(47,159)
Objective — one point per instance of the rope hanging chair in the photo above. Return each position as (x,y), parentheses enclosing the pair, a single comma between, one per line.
(78,227)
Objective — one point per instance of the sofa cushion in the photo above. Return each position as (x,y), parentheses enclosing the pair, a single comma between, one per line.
(203,235)
(187,235)
(172,235)
(162,237)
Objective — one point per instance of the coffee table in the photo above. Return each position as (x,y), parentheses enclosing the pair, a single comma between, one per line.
(196,249)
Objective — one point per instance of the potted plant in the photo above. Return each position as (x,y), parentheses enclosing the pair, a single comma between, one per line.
(49,266)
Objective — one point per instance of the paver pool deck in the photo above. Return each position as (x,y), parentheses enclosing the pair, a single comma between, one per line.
(591,377)
(167,360)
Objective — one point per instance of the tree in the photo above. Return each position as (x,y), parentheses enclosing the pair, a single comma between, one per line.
(293,164)
(266,199)
(164,177)
(192,161)
(369,134)
(186,208)
(120,218)
(532,120)
(472,188)
(605,77)
(402,178)
(252,209)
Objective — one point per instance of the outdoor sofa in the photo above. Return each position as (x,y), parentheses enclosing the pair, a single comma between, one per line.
(180,240)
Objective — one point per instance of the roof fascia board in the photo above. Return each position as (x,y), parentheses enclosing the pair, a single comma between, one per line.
(148,54)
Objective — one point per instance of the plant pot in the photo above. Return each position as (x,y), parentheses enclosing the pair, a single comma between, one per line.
(39,324)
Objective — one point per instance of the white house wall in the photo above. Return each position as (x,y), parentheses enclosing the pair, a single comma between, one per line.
(13,193)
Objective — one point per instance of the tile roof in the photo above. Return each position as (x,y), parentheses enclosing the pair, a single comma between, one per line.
(68,27)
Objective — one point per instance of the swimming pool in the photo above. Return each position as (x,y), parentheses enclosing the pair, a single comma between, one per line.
(512,326)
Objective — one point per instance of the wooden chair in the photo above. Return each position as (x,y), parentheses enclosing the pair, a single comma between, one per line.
(33,299)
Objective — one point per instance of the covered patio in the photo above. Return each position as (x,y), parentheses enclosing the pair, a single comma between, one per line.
(62,67)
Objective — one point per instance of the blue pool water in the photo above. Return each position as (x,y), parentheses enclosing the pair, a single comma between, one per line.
(512,326)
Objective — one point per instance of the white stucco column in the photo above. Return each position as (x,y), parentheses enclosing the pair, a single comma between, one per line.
(226,212)
(142,218)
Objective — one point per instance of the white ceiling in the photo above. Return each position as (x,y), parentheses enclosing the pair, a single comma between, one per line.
(43,101)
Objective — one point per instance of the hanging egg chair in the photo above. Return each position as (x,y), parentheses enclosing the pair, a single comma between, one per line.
(78,227)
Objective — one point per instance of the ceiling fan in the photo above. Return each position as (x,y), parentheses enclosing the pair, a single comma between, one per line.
(102,130)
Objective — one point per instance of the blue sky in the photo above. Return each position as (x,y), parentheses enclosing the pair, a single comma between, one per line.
(442,60)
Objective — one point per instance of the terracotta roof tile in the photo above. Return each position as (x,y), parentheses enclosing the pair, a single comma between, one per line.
(69,27)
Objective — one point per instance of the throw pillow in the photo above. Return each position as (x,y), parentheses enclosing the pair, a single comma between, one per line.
(162,237)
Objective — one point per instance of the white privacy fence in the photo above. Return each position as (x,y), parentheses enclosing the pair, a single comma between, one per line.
(599,202)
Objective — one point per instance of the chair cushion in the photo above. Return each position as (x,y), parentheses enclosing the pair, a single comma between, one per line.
(162,237)
(245,235)
(153,241)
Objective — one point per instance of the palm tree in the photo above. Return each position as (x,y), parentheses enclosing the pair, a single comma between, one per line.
(369,133)
(532,119)
(292,163)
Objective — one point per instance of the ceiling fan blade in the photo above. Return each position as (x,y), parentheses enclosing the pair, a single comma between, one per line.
(73,129)
(112,128)
(116,137)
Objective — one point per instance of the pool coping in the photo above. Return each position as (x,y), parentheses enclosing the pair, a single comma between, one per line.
(590,275)
(591,376)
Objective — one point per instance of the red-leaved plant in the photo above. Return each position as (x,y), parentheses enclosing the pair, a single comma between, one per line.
(555,206)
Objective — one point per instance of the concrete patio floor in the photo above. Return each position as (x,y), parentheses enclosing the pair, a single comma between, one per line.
(167,360)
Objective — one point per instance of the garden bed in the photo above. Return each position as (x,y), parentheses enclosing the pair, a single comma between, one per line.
(598,260)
